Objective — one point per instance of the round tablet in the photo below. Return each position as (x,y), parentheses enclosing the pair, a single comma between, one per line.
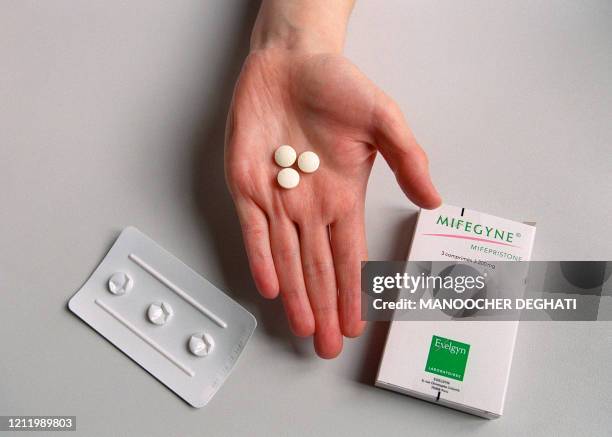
(285,156)
(120,283)
(201,345)
(159,313)
(288,178)
(308,162)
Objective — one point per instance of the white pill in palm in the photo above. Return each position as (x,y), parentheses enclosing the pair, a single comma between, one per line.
(288,178)
(308,162)
(285,156)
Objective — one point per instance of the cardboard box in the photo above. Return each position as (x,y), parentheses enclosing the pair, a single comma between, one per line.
(463,365)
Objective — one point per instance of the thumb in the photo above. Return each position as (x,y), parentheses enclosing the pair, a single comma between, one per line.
(407,159)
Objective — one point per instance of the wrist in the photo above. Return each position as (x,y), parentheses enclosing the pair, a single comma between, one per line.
(319,27)
(295,40)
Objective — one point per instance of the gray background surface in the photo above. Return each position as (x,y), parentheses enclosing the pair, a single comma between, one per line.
(112,113)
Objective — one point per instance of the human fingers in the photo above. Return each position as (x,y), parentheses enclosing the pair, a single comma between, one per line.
(286,254)
(319,275)
(255,233)
(403,154)
(349,249)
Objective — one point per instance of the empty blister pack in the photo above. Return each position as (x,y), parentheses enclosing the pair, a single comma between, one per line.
(170,320)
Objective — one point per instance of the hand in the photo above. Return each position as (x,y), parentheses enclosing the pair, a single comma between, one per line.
(307,243)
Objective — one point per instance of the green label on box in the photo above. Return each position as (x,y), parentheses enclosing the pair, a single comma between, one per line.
(447,357)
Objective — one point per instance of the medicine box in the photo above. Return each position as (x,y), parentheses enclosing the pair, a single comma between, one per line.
(463,365)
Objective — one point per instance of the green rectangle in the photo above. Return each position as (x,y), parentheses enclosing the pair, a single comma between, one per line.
(447,357)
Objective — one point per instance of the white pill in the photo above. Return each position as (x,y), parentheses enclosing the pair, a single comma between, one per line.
(288,178)
(308,162)
(201,344)
(285,156)
(159,313)
(120,283)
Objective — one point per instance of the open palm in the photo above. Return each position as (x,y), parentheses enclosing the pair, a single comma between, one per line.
(307,243)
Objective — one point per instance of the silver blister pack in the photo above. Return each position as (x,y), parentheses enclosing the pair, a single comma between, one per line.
(174,323)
